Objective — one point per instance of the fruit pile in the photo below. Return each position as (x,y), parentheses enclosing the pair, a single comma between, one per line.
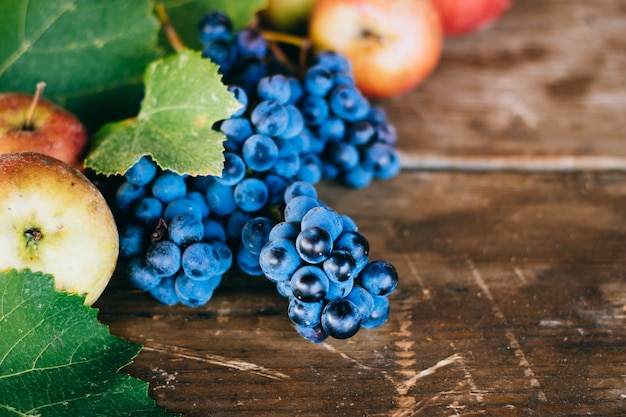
(180,234)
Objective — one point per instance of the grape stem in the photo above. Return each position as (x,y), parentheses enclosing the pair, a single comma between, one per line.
(172,36)
(302,43)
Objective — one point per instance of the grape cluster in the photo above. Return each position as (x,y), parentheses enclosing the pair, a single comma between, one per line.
(319,261)
(180,234)
(322,126)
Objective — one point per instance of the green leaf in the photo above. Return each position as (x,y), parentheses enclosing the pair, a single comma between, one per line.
(185,15)
(56,359)
(91,53)
(184,98)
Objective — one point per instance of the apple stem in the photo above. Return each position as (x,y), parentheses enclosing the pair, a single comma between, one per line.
(28,123)
(172,36)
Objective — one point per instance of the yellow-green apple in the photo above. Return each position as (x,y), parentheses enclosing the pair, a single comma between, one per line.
(392,45)
(460,17)
(54,220)
(31,123)
(290,16)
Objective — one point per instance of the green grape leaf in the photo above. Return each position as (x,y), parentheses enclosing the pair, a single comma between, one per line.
(56,359)
(91,53)
(185,15)
(184,97)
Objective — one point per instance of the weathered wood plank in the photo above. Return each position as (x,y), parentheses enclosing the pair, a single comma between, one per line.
(511,303)
(543,89)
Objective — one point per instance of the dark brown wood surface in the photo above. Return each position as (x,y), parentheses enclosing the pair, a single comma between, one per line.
(508,229)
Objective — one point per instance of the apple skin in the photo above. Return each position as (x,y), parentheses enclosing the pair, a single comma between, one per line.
(289,16)
(392,45)
(55,220)
(461,17)
(55,131)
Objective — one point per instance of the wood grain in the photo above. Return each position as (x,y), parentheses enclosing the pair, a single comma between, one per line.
(507,227)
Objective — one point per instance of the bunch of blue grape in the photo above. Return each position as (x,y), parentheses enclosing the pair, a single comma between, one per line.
(321,123)
(319,261)
(179,234)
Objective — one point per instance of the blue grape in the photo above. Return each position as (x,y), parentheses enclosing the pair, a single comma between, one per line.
(142,172)
(222,52)
(310,169)
(343,155)
(127,194)
(315,334)
(338,290)
(356,245)
(163,257)
(295,122)
(309,283)
(379,314)
(182,205)
(279,259)
(314,110)
(200,261)
(185,229)
(234,169)
(333,61)
(236,129)
(340,266)
(201,203)
(248,262)
(318,81)
(314,244)
(324,217)
(383,160)
(333,129)
(287,230)
(221,198)
(379,278)
(305,314)
(363,300)
(165,292)
(295,89)
(284,288)
(274,87)
(300,188)
(386,133)
(343,79)
(360,133)
(131,239)
(276,186)
(141,275)
(241,96)
(251,194)
(148,211)
(287,163)
(224,256)
(259,152)
(348,224)
(169,186)
(348,103)
(255,233)
(341,319)
(358,177)
(298,206)
(270,118)
(251,42)
(214,25)
(192,292)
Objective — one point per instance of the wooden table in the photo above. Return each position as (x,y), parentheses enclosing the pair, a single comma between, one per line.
(507,227)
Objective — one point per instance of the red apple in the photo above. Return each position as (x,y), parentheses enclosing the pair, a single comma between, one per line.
(392,45)
(460,17)
(30,123)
